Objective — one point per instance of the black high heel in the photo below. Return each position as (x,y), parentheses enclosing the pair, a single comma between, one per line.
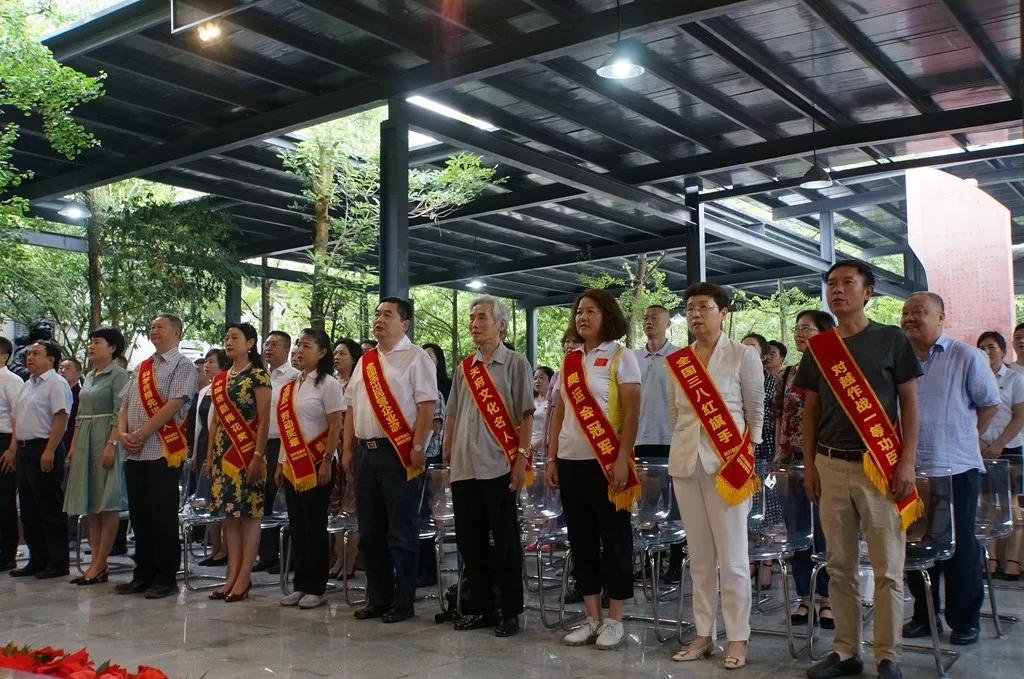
(99,579)
(1016,576)
(232,598)
(218,595)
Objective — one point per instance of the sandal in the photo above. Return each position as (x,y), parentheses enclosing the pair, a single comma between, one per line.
(993,567)
(1011,577)
(690,654)
(733,662)
(826,623)
(766,577)
(799,618)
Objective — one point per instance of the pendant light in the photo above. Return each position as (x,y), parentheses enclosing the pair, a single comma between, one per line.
(815,178)
(620,65)
(76,208)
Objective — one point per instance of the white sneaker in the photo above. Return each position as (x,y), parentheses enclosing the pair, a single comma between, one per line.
(586,634)
(312,601)
(292,599)
(610,634)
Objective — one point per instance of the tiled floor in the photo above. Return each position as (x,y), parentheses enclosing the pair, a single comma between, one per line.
(191,637)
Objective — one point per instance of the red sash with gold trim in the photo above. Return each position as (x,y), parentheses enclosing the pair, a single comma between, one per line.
(861,405)
(240,432)
(494,411)
(301,458)
(387,411)
(736,480)
(601,436)
(172,434)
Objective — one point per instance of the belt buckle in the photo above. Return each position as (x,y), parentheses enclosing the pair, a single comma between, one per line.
(370,444)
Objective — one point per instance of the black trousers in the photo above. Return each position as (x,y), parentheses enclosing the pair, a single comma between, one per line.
(484,509)
(601,536)
(270,538)
(8,508)
(654,453)
(153,506)
(42,505)
(388,526)
(307,522)
(965,592)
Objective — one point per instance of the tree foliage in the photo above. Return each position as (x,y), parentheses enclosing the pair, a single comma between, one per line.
(642,284)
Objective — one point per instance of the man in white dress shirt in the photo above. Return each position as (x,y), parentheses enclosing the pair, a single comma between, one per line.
(276,351)
(10,385)
(388,500)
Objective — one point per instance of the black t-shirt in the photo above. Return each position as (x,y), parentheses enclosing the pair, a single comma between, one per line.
(887,359)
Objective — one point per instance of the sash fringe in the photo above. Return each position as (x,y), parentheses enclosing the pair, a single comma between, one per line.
(175,461)
(912,513)
(734,496)
(909,514)
(412,472)
(625,500)
(300,486)
(529,476)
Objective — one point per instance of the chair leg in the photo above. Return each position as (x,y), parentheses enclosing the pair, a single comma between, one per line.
(438,557)
(284,557)
(810,617)
(991,592)
(566,569)
(932,620)
(683,567)
(784,567)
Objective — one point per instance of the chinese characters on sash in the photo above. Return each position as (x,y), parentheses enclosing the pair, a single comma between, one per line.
(387,411)
(301,458)
(240,432)
(494,411)
(172,434)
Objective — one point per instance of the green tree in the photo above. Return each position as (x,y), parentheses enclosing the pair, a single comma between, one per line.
(643,285)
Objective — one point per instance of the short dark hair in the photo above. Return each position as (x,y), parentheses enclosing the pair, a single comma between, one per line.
(613,322)
(1020,326)
(282,334)
(997,337)
(546,370)
(52,351)
(174,320)
(6,348)
(199,361)
(761,341)
(111,336)
(821,320)
(325,366)
(371,342)
(866,274)
(223,362)
(778,345)
(404,308)
(659,307)
(73,361)
(703,288)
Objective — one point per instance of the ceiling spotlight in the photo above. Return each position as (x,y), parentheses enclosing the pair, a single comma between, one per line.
(476,284)
(208,31)
(75,209)
(971,181)
(620,65)
(815,178)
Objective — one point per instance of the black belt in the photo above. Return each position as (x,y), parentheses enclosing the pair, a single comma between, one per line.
(374,444)
(841,454)
(32,442)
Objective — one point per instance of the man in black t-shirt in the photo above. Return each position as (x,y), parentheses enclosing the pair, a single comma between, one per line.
(836,481)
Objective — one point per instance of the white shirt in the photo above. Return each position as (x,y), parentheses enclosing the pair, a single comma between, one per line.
(739,376)
(314,402)
(654,428)
(10,386)
(279,376)
(209,416)
(1011,393)
(540,409)
(572,443)
(38,401)
(412,378)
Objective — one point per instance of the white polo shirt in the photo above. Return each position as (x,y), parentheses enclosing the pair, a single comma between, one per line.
(412,378)
(572,442)
(38,401)
(279,376)
(314,402)
(10,386)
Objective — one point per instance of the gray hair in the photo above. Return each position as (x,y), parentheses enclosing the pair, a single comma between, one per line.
(933,297)
(499,311)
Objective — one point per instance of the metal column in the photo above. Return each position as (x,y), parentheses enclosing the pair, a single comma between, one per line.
(394,201)
(827,248)
(233,300)
(695,253)
(531,336)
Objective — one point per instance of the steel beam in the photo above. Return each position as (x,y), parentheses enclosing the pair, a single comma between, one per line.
(961,17)
(762,275)
(377,26)
(108,27)
(469,20)
(531,336)
(564,11)
(696,250)
(394,201)
(895,193)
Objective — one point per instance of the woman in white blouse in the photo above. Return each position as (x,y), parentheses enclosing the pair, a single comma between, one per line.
(716,531)
(541,382)
(600,534)
(316,401)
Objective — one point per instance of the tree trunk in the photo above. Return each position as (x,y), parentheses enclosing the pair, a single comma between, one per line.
(364,317)
(320,237)
(456,349)
(636,313)
(95,274)
(266,308)
(782,313)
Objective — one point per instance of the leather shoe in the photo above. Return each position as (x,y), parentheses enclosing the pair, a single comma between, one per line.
(51,573)
(470,622)
(964,637)
(887,669)
(133,587)
(369,612)
(507,627)
(832,666)
(916,629)
(395,615)
(161,591)
(26,571)
(263,566)
(673,575)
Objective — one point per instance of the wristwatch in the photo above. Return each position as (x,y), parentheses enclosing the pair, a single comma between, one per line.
(417,448)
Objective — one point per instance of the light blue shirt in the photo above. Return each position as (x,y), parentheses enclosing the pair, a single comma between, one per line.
(39,400)
(957,380)
(654,428)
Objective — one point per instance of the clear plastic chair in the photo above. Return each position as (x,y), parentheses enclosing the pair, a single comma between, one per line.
(437,520)
(994,520)
(653,533)
(540,512)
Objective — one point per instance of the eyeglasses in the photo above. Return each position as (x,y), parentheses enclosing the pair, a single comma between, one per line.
(701,308)
(804,329)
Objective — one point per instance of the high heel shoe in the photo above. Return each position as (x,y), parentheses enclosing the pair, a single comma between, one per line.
(1011,577)
(99,579)
(219,595)
(691,654)
(232,598)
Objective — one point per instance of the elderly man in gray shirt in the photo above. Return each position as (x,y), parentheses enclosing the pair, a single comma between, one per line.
(487,433)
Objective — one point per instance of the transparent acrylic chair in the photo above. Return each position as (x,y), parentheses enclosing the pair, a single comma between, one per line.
(994,521)
(437,521)
(540,512)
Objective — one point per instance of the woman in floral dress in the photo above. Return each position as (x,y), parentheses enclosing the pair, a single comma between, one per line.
(237,490)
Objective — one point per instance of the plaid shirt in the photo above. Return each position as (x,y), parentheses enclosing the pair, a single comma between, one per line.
(175,379)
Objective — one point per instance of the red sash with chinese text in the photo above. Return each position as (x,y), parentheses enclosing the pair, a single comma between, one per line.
(865,411)
(736,480)
(601,436)
(301,458)
(172,434)
(494,411)
(240,432)
(389,415)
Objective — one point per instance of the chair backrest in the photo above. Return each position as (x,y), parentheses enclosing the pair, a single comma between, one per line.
(537,502)
(655,494)
(795,532)
(184,478)
(930,538)
(437,496)
(995,503)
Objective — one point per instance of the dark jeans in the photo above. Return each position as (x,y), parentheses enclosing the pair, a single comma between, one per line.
(486,508)
(307,521)
(659,454)
(42,505)
(388,526)
(601,537)
(8,508)
(962,572)
(270,538)
(153,507)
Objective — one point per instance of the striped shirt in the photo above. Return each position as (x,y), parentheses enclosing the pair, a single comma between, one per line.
(175,379)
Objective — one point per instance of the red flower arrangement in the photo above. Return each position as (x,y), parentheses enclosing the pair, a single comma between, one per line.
(53,662)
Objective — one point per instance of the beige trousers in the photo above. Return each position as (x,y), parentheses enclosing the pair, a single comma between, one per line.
(849,501)
(716,539)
